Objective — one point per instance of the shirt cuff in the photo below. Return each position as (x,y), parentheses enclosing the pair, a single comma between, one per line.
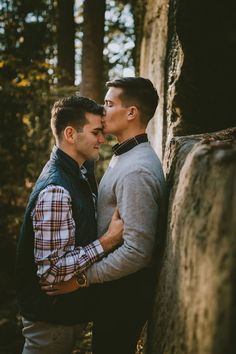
(94,250)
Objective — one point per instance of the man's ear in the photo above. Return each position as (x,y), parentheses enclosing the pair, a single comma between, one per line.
(132,113)
(69,134)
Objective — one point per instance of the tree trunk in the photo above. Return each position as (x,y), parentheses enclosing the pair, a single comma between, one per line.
(66,41)
(92,84)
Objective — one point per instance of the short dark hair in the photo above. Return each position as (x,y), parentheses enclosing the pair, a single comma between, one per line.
(71,111)
(139,92)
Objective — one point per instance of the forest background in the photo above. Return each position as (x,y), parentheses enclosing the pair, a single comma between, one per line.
(48,49)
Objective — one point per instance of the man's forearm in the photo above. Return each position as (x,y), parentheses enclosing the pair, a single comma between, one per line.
(121,262)
(108,241)
(78,260)
(70,263)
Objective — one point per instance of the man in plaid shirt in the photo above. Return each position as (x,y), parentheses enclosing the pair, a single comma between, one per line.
(58,238)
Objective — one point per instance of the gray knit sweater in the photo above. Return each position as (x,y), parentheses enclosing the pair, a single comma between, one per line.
(134,182)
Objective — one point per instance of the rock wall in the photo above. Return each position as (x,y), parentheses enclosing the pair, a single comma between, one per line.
(195,302)
(189,51)
(152,64)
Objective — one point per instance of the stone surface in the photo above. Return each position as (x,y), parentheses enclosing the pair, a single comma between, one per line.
(152,64)
(189,52)
(195,300)
(205,89)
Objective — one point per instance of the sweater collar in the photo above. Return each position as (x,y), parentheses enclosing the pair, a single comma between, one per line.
(129,144)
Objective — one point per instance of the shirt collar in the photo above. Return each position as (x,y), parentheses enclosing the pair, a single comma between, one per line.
(129,144)
(83,171)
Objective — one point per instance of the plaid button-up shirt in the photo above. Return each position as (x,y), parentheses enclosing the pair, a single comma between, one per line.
(56,256)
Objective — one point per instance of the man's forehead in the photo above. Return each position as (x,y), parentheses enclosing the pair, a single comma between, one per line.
(92,117)
(94,127)
(94,120)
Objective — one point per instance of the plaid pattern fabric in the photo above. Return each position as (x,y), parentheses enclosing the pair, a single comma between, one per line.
(56,256)
(127,145)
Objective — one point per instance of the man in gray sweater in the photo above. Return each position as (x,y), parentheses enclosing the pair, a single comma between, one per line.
(134,182)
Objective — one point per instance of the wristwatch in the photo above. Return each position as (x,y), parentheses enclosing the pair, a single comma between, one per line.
(81,280)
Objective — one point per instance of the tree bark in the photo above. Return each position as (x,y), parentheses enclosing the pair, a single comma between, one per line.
(92,56)
(66,41)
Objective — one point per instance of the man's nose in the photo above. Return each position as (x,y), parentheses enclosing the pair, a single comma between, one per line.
(101,139)
(104,112)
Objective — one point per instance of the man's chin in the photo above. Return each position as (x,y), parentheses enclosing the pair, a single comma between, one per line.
(96,157)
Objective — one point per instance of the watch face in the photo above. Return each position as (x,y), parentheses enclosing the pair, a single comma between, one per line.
(82,281)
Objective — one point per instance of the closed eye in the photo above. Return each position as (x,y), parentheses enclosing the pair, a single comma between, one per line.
(97,132)
(108,104)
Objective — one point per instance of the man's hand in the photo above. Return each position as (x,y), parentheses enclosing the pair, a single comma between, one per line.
(110,240)
(113,237)
(60,288)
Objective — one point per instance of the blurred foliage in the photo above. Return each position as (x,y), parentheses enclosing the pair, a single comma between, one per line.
(27,84)
(119,40)
(27,78)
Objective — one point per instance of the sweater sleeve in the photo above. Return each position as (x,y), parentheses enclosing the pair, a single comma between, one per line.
(138,202)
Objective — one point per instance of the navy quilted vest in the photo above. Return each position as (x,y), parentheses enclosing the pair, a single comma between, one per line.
(34,305)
